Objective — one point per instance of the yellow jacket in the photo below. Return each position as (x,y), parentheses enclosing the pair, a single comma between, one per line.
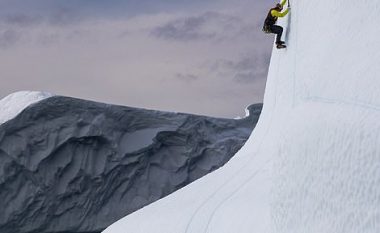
(276,13)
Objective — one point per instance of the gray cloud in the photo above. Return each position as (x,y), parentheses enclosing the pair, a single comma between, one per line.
(186,29)
(89,52)
(186,77)
(63,16)
(248,68)
(249,76)
(244,63)
(9,38)
(98,8)
(58,16)
(246,77)
(209,25)
(22,20)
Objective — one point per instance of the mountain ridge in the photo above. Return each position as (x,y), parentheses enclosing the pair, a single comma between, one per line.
(71,165)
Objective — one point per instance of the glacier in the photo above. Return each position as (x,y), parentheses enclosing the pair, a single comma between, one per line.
(312,164)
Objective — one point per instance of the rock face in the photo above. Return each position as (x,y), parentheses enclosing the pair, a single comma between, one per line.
(69,165)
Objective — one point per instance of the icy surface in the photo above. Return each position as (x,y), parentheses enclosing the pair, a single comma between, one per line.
(312,163)
(13,104)
(69,165)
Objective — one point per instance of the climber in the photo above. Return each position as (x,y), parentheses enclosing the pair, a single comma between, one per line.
(270,22)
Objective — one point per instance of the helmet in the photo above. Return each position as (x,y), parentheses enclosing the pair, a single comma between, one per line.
(279,6)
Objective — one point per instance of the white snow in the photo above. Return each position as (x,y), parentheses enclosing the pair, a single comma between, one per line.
(13,104)
(313,162)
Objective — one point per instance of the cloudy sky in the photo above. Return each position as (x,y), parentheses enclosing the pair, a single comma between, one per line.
(204,57)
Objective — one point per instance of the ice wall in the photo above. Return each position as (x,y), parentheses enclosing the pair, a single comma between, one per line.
(313,162)
(327,163)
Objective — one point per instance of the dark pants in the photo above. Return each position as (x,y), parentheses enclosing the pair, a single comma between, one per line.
(277,30)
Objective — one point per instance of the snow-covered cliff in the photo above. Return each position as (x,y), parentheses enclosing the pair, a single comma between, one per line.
(70,165)
(312,163)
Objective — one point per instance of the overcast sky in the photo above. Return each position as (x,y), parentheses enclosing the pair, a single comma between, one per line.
(204,57)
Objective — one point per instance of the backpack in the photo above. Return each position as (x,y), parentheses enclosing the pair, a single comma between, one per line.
(266,29)
(269,21)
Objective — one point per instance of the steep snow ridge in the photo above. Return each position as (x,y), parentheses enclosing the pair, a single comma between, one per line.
(312,163)
(13,104)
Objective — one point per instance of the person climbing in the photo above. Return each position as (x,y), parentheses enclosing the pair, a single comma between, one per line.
(270,22)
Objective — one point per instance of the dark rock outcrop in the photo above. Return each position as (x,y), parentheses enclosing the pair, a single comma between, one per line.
(69,165)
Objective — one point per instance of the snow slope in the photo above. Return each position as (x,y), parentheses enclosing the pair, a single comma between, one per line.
(312,163)
(13,104)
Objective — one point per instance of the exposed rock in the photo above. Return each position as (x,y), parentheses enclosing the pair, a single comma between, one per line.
(69,165)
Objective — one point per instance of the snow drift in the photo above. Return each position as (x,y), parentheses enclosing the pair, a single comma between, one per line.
(312,163)
(13,104)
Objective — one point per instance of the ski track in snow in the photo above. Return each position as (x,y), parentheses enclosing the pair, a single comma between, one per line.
(220,205)
(252,176)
